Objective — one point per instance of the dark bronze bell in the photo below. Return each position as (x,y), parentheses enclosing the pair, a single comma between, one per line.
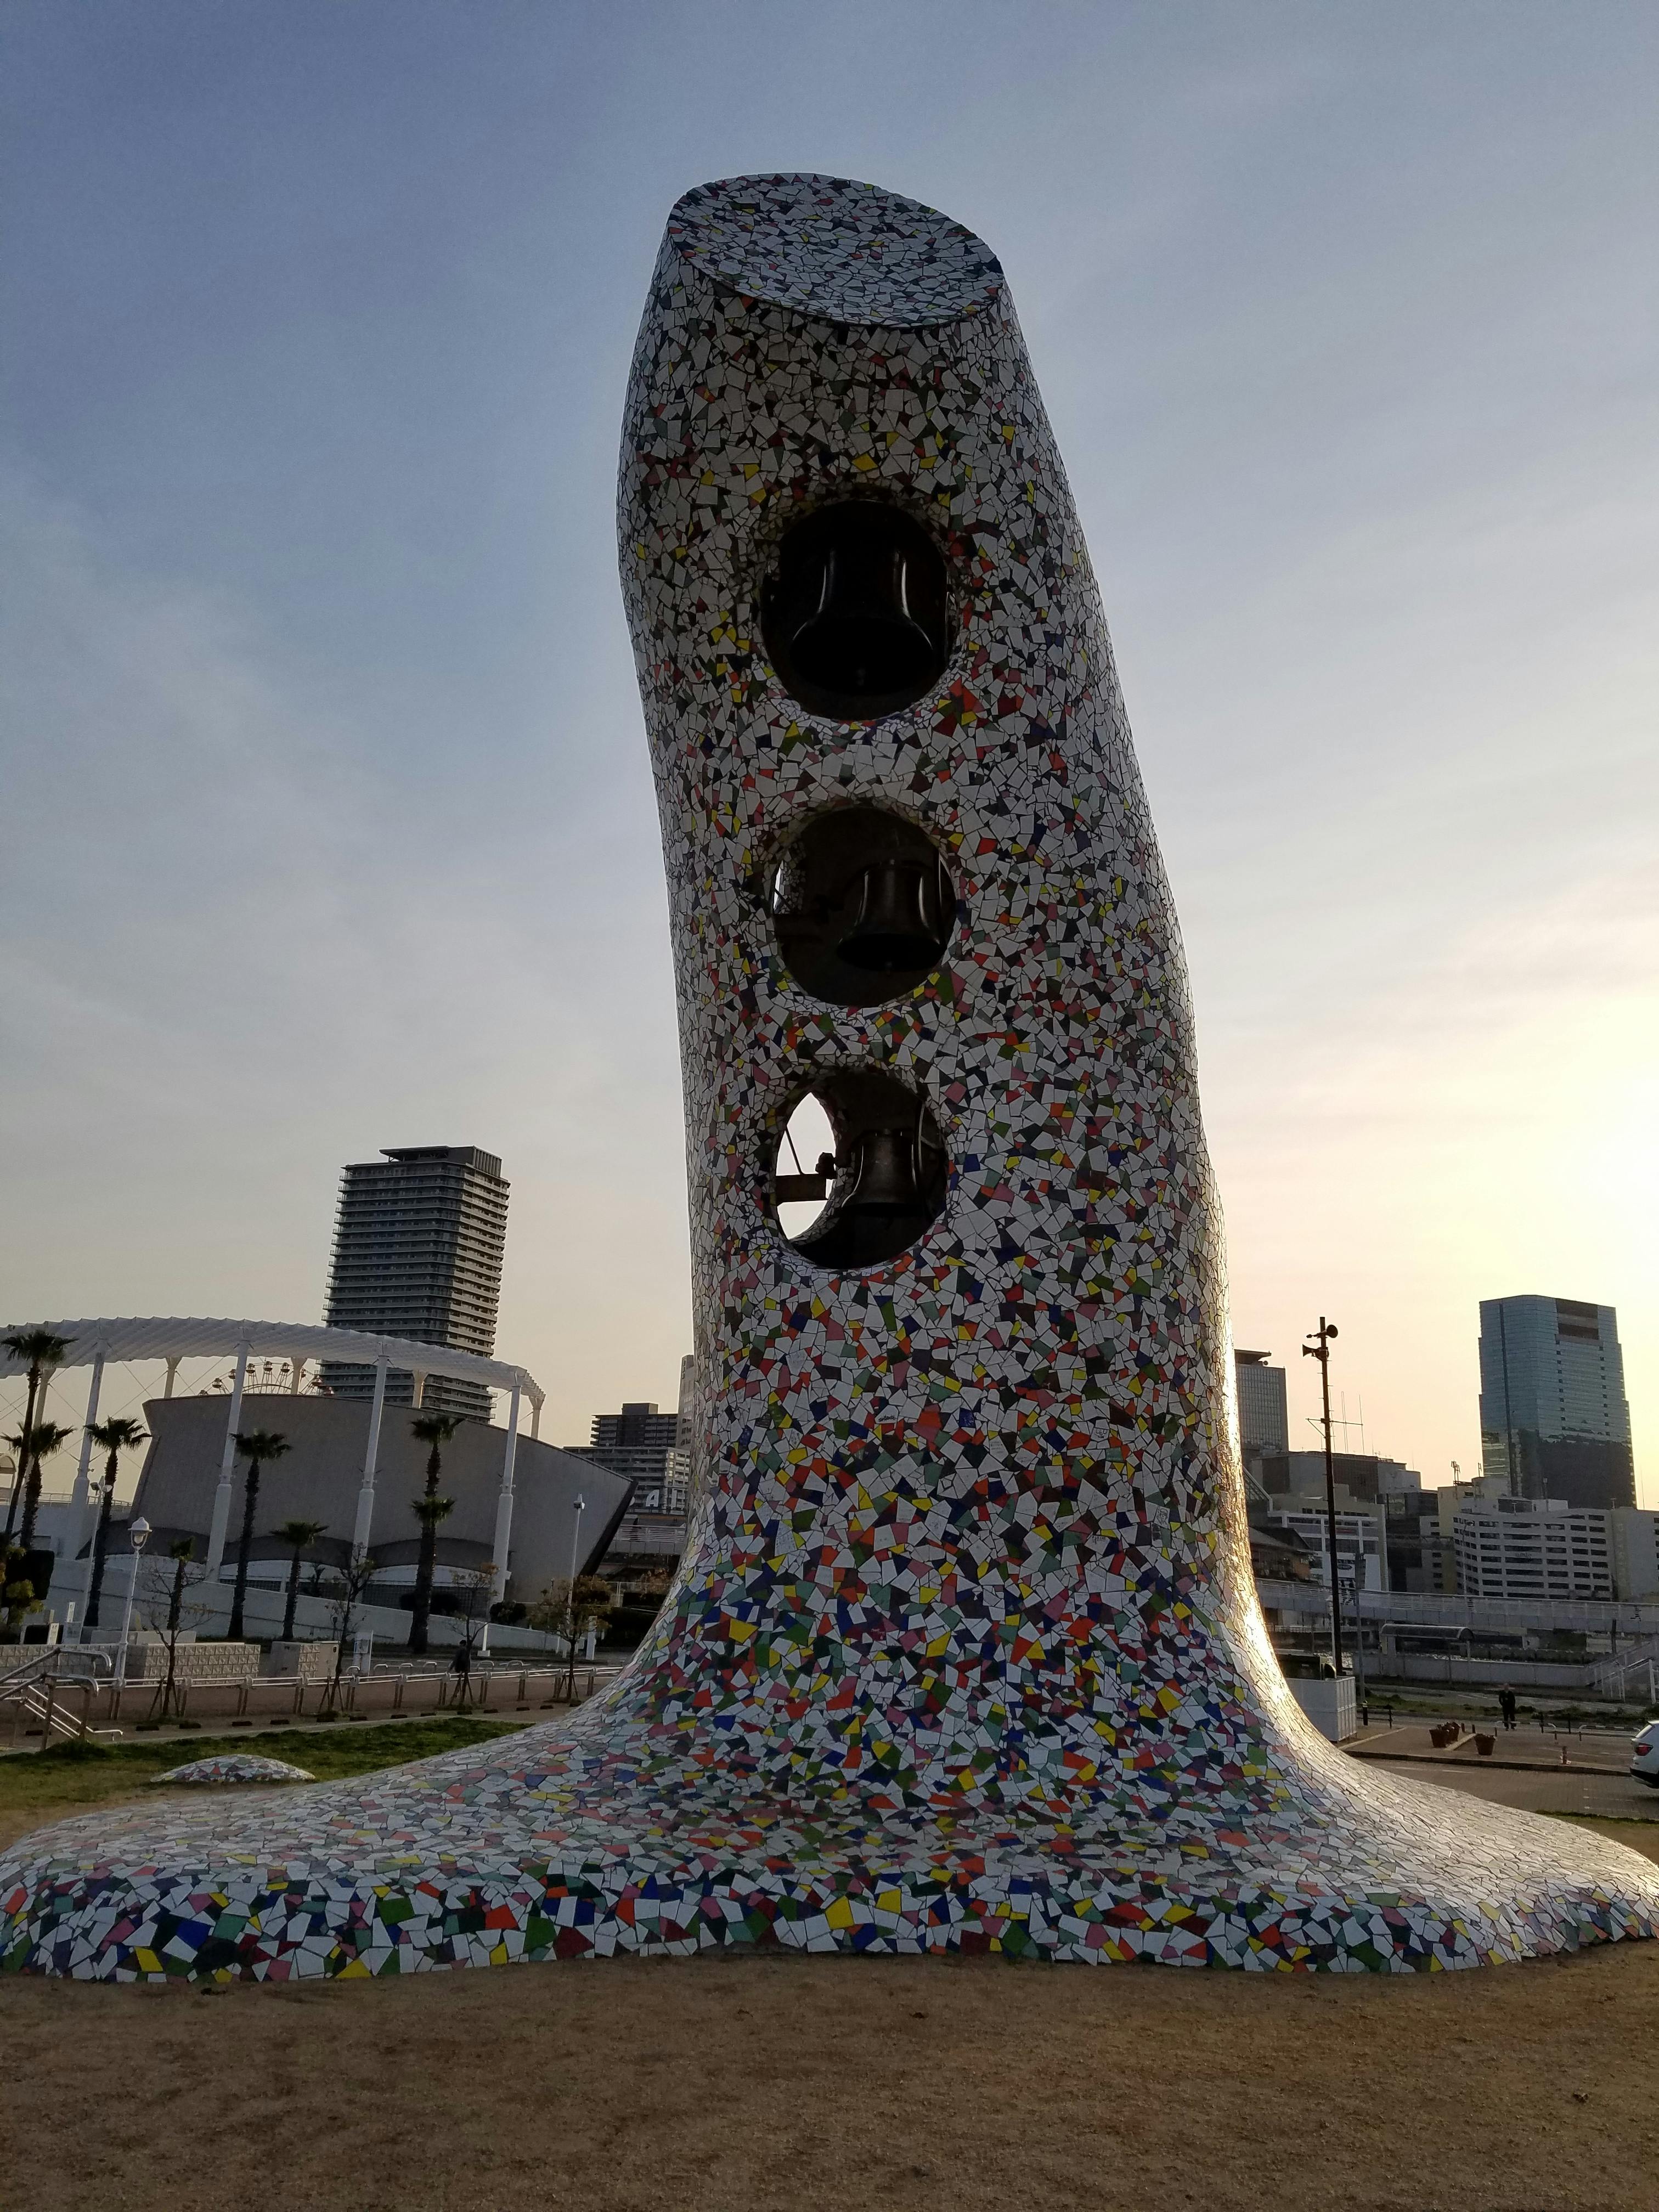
(860,638)
(896,927)
(884,1179)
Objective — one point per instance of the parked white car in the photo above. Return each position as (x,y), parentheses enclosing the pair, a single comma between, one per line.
(1644,1755)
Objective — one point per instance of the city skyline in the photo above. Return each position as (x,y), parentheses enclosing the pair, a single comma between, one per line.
(334,816)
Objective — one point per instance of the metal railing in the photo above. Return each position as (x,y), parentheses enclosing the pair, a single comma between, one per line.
(35,1688)
(85,1702)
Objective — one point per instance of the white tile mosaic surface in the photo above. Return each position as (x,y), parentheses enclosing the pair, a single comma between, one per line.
(236,1766)
(965,1653)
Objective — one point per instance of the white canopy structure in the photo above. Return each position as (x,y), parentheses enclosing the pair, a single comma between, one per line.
(93,1343)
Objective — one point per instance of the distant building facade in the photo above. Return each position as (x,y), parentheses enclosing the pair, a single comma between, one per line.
(652,1449)
(419,1238)
(1361,1552)
(318,1478)
(635,1442)
(1532,1547)
(1264,1421)
(1635,1552)
(1554,1423)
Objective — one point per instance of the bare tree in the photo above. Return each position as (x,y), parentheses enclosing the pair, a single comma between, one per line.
(569,1609)
(472,1591)
(345,1594)
(164,1609)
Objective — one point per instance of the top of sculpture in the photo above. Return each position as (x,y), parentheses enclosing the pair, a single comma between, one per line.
(830,247)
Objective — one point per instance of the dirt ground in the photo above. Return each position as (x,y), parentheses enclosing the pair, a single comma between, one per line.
(772,2084)
(775,2084)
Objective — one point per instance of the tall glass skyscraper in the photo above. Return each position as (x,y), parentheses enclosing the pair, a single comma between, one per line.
(1553,1417)
(418,1242)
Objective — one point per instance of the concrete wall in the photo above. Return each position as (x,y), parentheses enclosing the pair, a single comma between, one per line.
(147,1659)
(318,1479)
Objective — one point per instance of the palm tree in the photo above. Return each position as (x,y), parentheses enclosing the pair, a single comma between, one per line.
(258,1447)
(429,1511)
(42,1350)
(436,1430)
(298,1533)
(38,1442)
(111,1437)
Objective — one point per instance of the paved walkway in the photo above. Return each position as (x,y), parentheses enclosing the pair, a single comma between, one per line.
(1543,1790)
(1601,1751)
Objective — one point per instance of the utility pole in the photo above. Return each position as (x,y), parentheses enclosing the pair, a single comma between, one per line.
(1320,1349)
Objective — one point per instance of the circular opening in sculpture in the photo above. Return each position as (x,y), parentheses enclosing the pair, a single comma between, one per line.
(861,1170)
(855,612)
(863,906)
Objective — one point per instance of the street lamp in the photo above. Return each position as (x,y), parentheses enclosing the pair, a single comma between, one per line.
(1320,1349)
(137,1536)
(576,1554)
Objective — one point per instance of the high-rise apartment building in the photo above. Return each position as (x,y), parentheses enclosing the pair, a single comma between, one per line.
(419,1238)
(1553,1420)
(637,1443)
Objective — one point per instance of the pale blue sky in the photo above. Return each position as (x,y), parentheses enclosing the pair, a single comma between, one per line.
(327,822)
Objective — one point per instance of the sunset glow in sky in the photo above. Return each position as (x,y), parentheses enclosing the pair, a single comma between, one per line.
(328,820)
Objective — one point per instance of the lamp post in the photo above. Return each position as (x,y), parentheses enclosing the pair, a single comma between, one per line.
(576,1554)
(137,1536)
(1320,1349)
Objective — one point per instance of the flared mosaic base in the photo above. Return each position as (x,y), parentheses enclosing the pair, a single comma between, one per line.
(563,1845)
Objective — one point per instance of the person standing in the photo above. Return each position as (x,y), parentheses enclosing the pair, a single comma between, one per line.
(1506,1706)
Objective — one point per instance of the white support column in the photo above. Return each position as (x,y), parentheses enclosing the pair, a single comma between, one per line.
(371,1459)
(172,1375)
(82,1529)
(504,1503)
(535,1419)
(226,1469)
(297,1363)
(420,1388)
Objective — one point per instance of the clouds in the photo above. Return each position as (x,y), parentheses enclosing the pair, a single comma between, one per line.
(326,818)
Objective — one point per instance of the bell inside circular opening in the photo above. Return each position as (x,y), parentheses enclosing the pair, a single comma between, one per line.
(855,614)
(862,905)
(860,1171)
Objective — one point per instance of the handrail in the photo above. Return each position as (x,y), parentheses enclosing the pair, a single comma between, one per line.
(49,1660)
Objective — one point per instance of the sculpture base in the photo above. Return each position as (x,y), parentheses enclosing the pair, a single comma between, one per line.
(563,1844)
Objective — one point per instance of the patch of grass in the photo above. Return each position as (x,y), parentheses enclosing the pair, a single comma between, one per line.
(73,1775)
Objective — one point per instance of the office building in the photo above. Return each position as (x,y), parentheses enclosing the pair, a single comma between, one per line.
(1264,1422)
(1635,1552)
(1367,1475)
(418,1242)
(1532,1547)
(1553,1420)
(1421,1553)
(1361,1546)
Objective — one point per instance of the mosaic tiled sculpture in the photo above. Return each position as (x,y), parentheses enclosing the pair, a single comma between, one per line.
(965,1653)
(234,1767)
